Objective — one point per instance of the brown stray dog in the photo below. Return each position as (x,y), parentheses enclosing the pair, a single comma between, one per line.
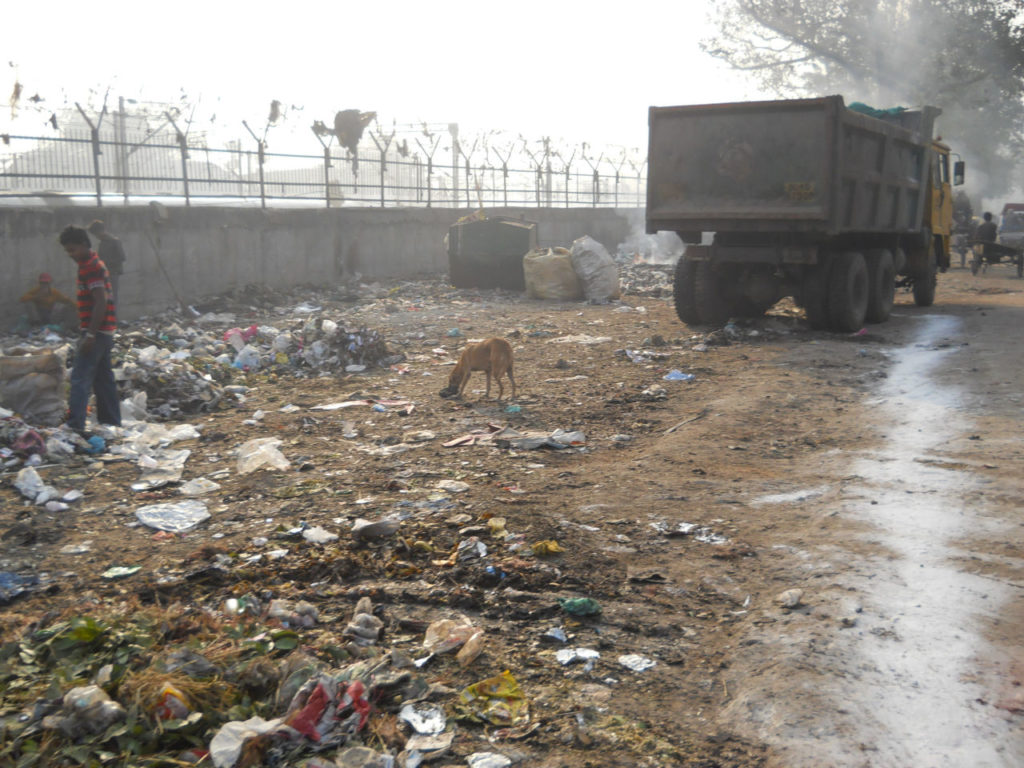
(492,356)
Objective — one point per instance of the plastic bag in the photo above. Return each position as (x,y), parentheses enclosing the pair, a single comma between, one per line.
(282,342)
(497,700)
(134,407)
(248,357)
(445,635)
(199,486)
(177,518)
(32,386)
(32,487)
(261,452)
(233,336)
(595,268)
(549,274)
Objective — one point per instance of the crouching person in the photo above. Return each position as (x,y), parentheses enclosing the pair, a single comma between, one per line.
(46,305)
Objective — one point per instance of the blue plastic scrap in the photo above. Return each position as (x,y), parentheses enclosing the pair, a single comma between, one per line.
(14,585)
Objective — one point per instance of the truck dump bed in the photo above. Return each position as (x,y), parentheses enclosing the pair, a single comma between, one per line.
(802,166)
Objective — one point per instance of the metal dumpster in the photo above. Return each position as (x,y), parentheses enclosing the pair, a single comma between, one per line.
(489,253)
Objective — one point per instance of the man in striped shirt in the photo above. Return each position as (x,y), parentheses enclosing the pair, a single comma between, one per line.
(92,370)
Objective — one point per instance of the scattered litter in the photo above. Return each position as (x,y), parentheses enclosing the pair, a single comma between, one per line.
(546,548)
(199,486)
(318,535)
(699,533)
(581,338)
(510,438)
(227,743)
(557,634)
(31,486)
(791,598)
(76,549)
(677,375)
(446,635)
(580,606)
(259,453)
(178,517)
(635,662)
(367,530)
(567,656)
(497,700)
(14,585)
(452,486)
(487,760)
(424,718)
(121,571)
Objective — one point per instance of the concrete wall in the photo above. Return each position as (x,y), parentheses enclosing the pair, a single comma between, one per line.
(201,251)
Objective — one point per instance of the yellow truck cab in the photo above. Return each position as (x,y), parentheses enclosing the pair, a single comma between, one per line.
(940,207)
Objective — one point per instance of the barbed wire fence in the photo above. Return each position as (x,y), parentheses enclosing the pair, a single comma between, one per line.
(126,155)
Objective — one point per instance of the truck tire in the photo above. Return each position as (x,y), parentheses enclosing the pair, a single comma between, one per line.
(881,285)
(924,285)
(814,295)
(682,291)
(848,291)
(708,297)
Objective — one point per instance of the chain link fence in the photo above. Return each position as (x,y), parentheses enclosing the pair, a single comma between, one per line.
(118,163)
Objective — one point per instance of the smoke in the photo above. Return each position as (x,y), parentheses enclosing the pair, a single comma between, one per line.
(660,248)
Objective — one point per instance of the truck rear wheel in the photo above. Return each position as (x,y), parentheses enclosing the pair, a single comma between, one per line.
(881,285)
(708,297)
(682,291)
(848,291)
(924,285)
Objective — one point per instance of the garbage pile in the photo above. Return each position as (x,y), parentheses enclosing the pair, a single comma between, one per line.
(22,445)
(285,686)
(644,279)
(187,369)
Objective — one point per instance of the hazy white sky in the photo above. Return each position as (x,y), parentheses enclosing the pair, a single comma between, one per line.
(581,70)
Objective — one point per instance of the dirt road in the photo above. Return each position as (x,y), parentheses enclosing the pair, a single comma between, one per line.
(877,473)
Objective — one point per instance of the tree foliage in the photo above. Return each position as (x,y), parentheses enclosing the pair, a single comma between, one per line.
(965,56)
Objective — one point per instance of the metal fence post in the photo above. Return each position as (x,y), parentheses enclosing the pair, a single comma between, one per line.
(96,165)
(327,175)
(430,165)
(183,142)
(383,158)
(327,166)
(547,165)
(261,147)
(453,129)
(122,155)
(261,158)
(94,133)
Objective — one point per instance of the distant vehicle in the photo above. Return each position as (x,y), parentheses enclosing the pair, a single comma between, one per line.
(806,198)
(1011,225)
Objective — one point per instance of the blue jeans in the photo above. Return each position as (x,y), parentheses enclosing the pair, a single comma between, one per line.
(93,373)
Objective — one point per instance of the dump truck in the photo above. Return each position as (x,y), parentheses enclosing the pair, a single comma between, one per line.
(804,198)
(1011,225)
